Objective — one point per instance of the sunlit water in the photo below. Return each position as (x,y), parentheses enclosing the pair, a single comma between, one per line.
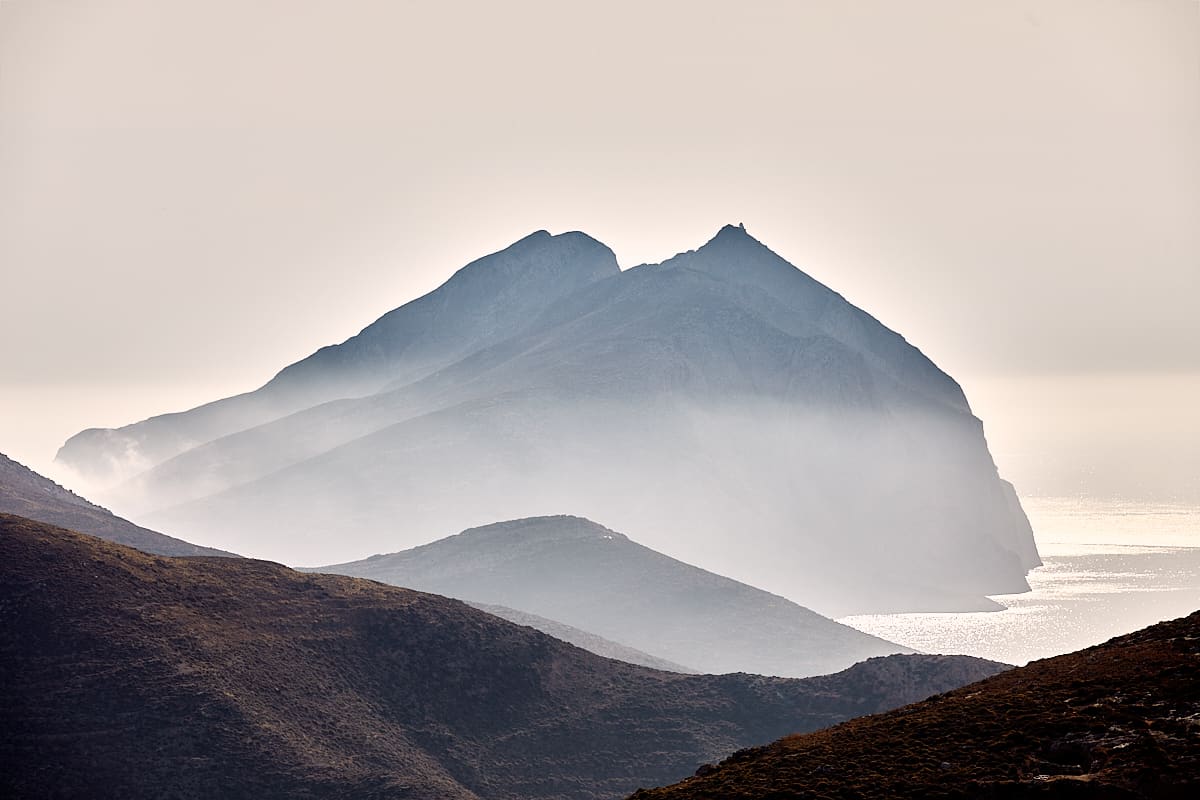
(1111,567)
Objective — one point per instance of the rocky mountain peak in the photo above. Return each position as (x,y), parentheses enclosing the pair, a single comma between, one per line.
(573,256)
(734,255)
(733,232)
(734,236)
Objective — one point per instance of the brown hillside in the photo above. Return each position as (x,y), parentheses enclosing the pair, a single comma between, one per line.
(1121,720)
(129,675)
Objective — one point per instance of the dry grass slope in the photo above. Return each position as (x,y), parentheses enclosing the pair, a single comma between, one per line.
(129,675)
(1121,720)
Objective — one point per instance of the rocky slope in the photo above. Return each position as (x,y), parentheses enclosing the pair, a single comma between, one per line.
(26,493)
(1121,720)
(721,406)
(593,578)
(129,675)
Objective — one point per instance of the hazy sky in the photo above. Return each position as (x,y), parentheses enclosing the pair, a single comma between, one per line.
(194,194)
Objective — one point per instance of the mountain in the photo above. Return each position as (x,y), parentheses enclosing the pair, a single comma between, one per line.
(129,675)
(596,579)
(583,639)
(487,300)
(1121,720)
(722,407)
(25,493)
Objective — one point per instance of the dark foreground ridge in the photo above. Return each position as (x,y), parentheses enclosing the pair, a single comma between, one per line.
(1121,720)
(26,493)
(129,675)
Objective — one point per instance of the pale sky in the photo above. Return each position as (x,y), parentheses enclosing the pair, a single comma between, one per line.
(194,194)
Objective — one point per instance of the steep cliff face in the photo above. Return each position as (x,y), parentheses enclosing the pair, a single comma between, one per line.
(722,407)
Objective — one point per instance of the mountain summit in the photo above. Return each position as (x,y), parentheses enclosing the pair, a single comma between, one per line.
(721,407)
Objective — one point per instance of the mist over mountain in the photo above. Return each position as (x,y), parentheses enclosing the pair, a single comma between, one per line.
(129,675)
(487,300)
(596,579)
(25,493)
(721,407)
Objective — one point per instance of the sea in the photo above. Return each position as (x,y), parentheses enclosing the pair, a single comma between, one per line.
(1110,567)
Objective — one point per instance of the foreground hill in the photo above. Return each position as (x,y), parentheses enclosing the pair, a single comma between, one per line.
(27,494)
(721,406)
(590,577)
(129,675)
(1121,720)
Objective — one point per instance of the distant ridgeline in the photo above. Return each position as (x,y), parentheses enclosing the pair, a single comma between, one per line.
(722,407)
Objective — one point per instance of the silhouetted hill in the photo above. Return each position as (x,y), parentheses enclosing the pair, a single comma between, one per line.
(129,675)
(1121,720)
(596,579)
(722,406)
(27,494)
